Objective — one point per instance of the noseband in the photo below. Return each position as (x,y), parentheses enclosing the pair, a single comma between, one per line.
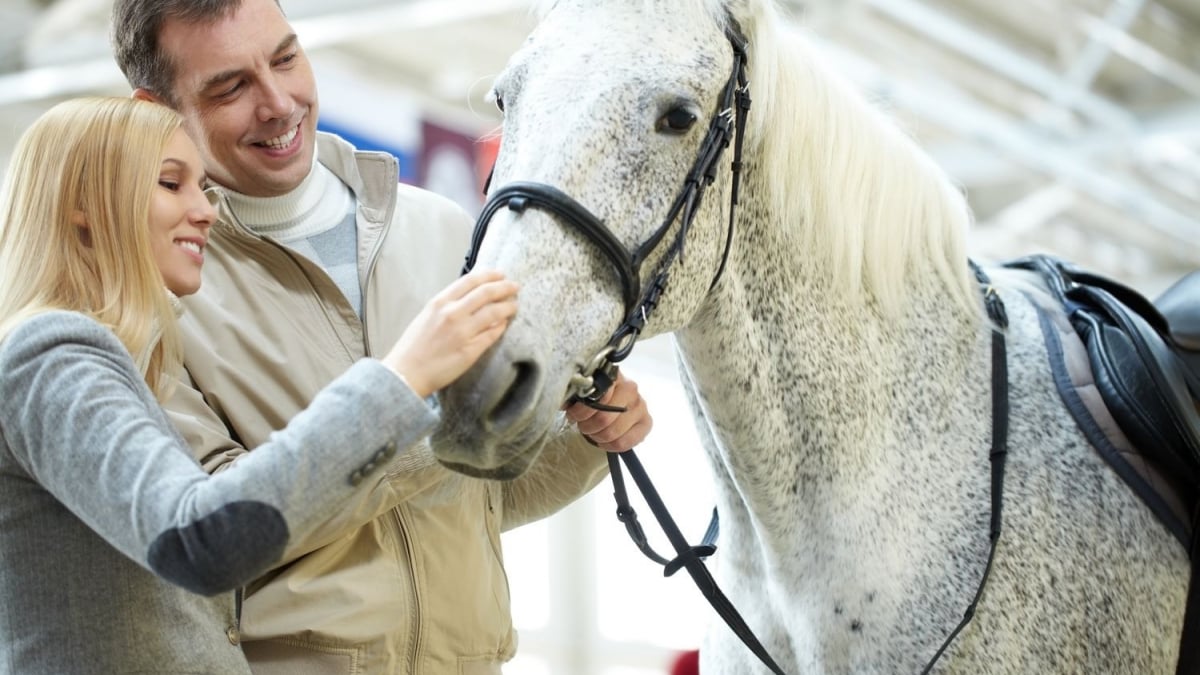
(728,122)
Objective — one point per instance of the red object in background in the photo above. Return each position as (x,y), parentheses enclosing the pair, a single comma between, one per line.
(687,663)
(485,156)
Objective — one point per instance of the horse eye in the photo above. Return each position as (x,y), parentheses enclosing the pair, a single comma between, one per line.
(677,120)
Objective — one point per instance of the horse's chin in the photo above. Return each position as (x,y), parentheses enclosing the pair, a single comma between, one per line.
(505,462)
(509,471)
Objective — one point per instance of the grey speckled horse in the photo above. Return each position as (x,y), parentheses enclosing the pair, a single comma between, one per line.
(839,369)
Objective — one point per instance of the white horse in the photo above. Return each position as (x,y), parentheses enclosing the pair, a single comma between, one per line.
(839,368)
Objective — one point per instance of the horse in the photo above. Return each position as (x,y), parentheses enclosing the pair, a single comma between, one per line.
(832,341)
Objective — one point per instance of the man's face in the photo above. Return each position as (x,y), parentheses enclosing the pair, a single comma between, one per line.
(246,91)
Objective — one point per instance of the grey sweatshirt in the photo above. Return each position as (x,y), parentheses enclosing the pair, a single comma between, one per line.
(118,553)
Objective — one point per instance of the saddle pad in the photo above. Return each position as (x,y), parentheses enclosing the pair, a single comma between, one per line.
(1076,384)
(1122,377)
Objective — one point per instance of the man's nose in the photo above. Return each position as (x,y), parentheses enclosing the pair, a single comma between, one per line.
(275,102)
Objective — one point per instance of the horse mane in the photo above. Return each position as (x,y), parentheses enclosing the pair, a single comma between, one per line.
(861,192)
(866,196)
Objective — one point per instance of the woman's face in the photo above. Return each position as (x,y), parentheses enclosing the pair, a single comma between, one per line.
(180,216)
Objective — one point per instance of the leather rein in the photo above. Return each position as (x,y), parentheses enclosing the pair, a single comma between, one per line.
(589,384)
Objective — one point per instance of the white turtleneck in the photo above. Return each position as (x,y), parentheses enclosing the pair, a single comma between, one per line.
(316,219)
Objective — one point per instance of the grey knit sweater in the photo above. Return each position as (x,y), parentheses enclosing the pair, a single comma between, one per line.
(118,554)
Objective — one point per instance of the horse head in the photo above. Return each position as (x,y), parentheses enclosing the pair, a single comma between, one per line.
(590,208)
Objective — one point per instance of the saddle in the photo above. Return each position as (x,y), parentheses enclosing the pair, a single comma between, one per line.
(1129,371)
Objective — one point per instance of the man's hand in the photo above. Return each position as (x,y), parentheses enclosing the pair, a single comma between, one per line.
(611,431)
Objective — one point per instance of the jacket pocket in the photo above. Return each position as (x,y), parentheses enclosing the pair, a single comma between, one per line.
(478,666)
(289,656)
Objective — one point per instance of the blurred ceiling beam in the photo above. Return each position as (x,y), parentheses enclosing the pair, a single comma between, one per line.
(949,109)
(1091,59)
(999,57)
(99,72)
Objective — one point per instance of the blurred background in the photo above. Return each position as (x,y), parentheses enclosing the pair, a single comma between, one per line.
(1073,126)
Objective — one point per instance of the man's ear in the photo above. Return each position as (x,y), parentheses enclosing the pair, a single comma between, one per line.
(146,95)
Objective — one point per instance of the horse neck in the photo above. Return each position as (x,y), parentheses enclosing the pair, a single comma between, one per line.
(782,362)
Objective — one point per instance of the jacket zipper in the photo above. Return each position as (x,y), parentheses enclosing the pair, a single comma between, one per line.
(371,260)
(414,632)
(495,546)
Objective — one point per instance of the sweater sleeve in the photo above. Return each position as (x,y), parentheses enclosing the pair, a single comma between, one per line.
(77,417)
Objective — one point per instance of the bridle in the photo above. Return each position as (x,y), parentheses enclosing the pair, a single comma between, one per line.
(728,123)
(590,382)
(594,378)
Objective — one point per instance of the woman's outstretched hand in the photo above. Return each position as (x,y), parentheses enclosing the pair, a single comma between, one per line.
(453,330)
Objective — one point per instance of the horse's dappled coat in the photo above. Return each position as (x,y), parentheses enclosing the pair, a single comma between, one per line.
(841,366)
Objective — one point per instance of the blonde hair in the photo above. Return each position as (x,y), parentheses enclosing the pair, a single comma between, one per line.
(99,159)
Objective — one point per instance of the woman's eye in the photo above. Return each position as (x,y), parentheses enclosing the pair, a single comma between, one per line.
(676,120)
(168,184)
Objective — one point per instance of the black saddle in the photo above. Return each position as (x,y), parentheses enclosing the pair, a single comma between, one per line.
(1144,361)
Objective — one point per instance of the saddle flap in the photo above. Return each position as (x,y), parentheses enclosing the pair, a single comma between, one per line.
(1143,384)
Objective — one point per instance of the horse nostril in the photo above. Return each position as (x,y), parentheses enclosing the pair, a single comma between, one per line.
(518,400)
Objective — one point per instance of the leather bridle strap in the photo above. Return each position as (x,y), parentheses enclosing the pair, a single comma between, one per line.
(692,557)
(742,93)
(521,195)
(627,515)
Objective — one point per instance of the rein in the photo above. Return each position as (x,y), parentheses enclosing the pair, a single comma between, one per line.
(692,557)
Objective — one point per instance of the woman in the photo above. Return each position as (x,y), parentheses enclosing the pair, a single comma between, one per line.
(118,554)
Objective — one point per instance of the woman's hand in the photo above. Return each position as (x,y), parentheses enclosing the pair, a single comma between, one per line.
(453,330)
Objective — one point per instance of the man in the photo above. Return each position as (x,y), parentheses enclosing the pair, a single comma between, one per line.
(321,256)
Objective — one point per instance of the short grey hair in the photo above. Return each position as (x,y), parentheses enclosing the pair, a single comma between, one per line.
(136,25)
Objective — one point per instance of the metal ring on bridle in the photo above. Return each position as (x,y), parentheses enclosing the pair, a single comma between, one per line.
(583,381)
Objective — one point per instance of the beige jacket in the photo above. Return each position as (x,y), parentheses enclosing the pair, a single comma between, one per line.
(412,581)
